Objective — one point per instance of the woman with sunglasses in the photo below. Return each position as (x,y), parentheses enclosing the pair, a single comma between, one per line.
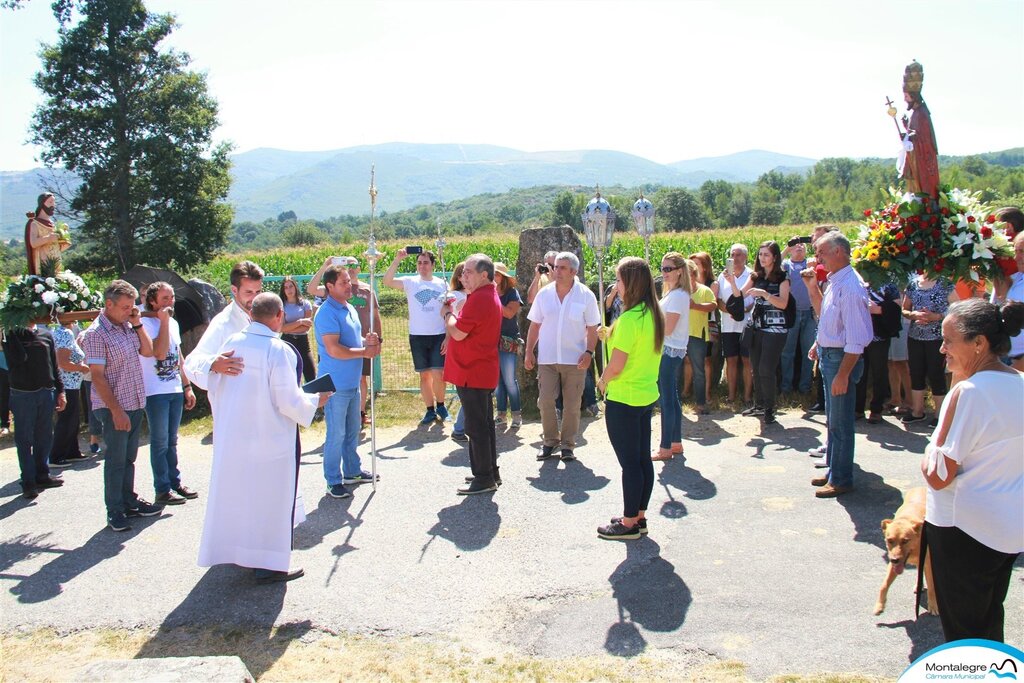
(630,385)
(675,305)
(770,288)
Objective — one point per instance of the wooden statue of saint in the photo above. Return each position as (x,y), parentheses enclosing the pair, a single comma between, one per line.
(43,242)
(921,170)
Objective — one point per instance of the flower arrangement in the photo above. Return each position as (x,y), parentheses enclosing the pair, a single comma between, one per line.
(955,237)
(32,298)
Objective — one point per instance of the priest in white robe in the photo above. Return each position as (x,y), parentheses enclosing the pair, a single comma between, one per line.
(253,502)
(207,358)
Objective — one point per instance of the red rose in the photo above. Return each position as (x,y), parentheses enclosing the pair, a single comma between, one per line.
(986,231)
(970,219)
(1008,265)
(952,230)
(936,234)
(867,212)
(991,218)
(939,267)
(944,211)
(903,249)
(919,245)
(899,236)
(932,253)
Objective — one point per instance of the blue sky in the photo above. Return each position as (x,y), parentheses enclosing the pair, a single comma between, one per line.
(663,80)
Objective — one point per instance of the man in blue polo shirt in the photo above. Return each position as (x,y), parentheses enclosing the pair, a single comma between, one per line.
(342,348)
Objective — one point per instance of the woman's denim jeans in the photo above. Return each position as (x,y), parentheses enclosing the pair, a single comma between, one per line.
(668,401)
(508,385)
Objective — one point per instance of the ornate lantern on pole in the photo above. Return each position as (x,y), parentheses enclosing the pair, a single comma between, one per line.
(372,256)
(598,228)
(643,218)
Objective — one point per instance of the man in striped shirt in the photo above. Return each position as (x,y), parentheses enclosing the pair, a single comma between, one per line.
(844,329)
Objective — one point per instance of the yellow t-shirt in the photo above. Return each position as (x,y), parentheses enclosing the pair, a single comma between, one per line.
(699,319)
(633,334)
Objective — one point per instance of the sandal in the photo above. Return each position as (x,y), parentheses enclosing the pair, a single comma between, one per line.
(660,456)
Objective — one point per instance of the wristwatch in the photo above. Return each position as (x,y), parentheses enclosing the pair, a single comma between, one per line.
(590,352)
(137,327)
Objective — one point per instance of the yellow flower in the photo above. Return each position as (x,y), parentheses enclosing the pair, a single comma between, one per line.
(885,264)
(873,255)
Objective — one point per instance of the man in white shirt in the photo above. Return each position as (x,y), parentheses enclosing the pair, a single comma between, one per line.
(425,294)
(563,335)
(207,358)
(735,351)
(1015,292)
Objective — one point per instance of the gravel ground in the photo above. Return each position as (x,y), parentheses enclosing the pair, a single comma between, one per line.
(742,562)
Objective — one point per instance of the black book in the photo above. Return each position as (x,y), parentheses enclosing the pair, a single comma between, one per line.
(319,385)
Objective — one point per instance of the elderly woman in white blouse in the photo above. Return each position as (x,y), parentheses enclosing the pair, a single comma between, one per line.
(974,466)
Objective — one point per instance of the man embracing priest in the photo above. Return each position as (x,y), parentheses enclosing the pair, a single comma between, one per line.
(253,502)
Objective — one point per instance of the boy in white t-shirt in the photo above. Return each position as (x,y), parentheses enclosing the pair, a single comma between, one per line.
(167,392)
(425,294)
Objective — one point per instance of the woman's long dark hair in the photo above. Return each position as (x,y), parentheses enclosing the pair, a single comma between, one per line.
(777,274)
(298,292)
(638,289)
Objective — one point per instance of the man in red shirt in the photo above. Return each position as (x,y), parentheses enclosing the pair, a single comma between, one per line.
(471,364)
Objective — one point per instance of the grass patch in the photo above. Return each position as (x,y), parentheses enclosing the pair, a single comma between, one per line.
(295,652)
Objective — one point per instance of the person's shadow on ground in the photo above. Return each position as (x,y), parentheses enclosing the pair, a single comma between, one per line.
(676,474)
(704,431)
(418,439)
(227,597)
(471,524)
(896,437)
(797,439)
(924,632)
(649,594)
(573,481)
(49,580)
(868,504)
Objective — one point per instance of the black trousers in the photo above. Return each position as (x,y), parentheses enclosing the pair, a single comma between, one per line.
(478,406)
(65,431)
(876,373)
(971,580)
(5,399)
(301,344)
(765,354)
(629,430)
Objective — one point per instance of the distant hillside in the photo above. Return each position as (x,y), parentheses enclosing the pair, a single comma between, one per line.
(318,185)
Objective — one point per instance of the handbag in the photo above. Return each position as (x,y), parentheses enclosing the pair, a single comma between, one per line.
(510,344)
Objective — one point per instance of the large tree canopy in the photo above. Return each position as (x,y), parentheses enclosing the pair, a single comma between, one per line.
(135,125)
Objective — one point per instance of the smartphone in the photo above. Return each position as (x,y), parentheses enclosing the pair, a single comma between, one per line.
(729,265)
(414,250)
(337,260)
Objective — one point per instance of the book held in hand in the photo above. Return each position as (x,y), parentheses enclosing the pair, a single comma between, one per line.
(319,385)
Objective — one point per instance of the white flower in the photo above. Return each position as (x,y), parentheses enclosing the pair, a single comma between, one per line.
(39,288)
(85,291)
(36,303)
(50,298)
(50,281)
(72,297)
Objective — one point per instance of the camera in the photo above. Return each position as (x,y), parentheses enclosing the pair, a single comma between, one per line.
(542,268)
(799,240)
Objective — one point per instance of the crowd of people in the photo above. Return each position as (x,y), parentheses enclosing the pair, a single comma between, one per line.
(788,325)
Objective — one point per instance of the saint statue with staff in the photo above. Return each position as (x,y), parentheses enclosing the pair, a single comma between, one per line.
(920,156)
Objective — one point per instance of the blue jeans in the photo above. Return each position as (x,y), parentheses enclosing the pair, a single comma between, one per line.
(668,400)
(460,421)
(508,386)
(839,412)
(697,353)
(119,461)
(33,433)
(163,412)
(802,334)
(341,415)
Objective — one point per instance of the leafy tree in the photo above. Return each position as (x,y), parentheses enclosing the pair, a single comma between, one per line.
(286,216)
(563,209)
(136,127)
(303,234)
(679,209)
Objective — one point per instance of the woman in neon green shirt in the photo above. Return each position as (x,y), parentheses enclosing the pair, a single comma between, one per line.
(630,385)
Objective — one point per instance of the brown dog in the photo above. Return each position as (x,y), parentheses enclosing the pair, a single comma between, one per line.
(903,540)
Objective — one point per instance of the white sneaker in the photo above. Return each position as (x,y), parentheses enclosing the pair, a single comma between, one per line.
(517,419)
(817,452)
(820,462)
(499,419)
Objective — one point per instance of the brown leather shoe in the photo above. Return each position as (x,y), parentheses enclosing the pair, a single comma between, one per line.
(819,481)
(830,491)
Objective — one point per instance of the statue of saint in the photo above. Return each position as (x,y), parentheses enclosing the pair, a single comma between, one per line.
(921,170)
(43,240)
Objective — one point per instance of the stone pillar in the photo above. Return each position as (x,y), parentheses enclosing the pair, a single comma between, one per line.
(533,244)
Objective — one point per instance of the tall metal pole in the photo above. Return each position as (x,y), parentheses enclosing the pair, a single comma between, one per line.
(371,258)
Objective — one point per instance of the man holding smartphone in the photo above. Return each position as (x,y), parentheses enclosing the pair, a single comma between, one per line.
(800,337)
(425,295)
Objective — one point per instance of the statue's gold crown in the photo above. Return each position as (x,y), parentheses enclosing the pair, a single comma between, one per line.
(913,78)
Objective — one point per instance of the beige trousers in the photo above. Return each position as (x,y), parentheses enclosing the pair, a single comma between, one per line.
(568,378)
